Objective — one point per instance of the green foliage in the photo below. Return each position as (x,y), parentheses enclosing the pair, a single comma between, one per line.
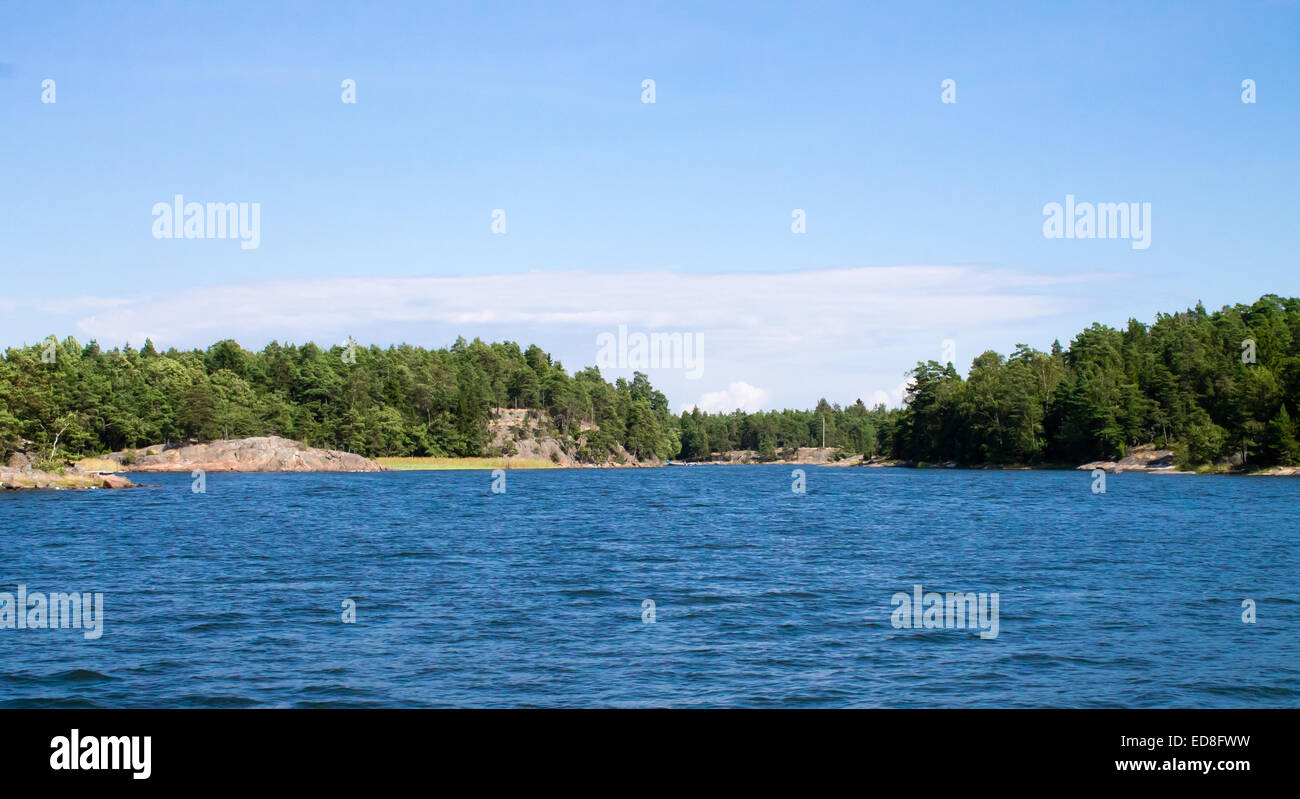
(598,446)
(1203,438)
(1282,445)
(402,401)
(771,433)
(55,465)
(1179,382)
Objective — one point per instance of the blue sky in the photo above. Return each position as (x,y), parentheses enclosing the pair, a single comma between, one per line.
(924,219)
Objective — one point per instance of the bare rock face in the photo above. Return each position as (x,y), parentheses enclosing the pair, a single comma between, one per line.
(1145,458)
(520,433)
(265,454)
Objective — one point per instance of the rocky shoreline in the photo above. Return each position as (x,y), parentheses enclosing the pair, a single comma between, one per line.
(1145,458)
(262,454)
(1148,459)
(28,478)
(275,454)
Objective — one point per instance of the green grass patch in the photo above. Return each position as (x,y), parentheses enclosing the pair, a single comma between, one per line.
(441,464)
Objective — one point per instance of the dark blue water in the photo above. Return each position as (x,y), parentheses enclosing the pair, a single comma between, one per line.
(763,597)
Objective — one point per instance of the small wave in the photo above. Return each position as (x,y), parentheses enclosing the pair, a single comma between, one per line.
(776,592)
(197,700)
(1249,691)
(1033,659)
(582,592)
(206,626)
(80,675)
(47,703)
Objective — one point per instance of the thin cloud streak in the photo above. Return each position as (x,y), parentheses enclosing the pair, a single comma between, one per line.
(772,312)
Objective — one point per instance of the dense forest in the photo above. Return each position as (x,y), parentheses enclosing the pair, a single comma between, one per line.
(397,401)
(1211,386)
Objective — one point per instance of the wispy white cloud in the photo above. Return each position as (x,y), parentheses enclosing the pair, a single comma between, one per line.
(891,399)
(738,396)
(781,311)
(800,335)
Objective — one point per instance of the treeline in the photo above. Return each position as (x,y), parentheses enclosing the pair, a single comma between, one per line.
(1211,386)
(397,401)
(776,434)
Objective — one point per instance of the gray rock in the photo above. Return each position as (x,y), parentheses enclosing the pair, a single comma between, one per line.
(263,454)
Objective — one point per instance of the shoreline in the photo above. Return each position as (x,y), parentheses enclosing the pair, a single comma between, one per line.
(71,479)
(120,479)
(473,464)
(275,455)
